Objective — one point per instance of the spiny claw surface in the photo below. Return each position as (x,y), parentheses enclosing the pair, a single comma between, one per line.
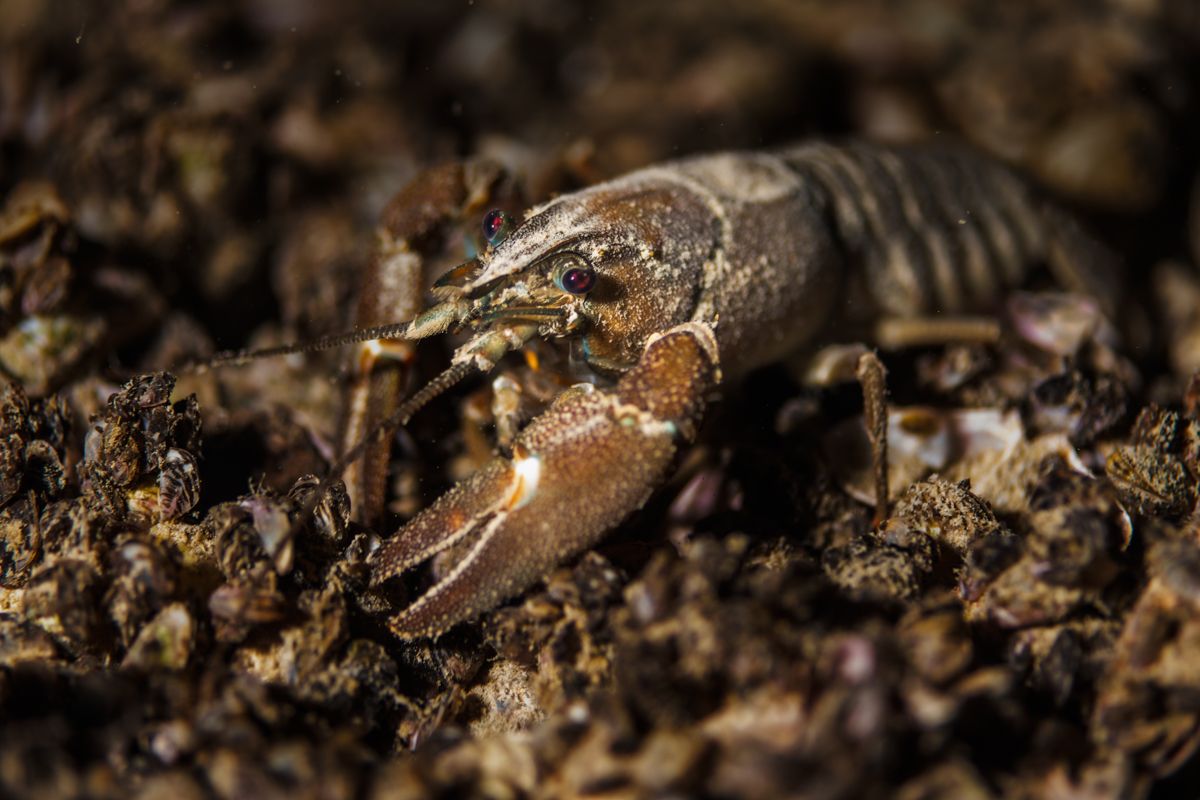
(577,470)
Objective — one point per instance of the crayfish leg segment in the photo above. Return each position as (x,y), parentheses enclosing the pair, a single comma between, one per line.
(374,352)
(577,470)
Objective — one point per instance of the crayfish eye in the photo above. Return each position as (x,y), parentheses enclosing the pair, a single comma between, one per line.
(574,276)
(496,226)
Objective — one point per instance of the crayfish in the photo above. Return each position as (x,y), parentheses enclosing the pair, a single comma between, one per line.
(664,285)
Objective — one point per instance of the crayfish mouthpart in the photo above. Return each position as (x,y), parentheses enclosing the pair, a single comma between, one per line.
(458,278)
(437,320)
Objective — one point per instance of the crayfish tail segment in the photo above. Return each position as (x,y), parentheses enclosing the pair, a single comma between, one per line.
(577,470)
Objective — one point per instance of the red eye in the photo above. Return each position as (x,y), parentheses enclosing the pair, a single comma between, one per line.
(577,280)
(496,225)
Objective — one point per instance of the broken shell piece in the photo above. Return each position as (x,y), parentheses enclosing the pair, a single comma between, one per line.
(1077,405)
(246,602)
(1002,477)
(986,430)
(331,517)
(274,529)
(143,578)
(1076,527)
(1057,322)
(20,543)
(142,504)
(921,440)
(178,484)
(164,642)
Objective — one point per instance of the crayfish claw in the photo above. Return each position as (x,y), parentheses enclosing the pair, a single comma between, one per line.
(576,471)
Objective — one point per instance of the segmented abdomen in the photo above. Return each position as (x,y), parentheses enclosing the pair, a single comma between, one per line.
(934,229)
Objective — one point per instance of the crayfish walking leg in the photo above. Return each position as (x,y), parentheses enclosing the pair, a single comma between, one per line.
(411,232)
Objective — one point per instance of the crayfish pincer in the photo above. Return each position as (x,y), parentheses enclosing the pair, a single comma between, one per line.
(663,283)
(517,518)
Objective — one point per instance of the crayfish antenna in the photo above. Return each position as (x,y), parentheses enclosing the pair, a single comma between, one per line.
(431,322)
(446,379)
(236,358)
(481,353)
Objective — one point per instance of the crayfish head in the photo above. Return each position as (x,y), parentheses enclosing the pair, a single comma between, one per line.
(611,265)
